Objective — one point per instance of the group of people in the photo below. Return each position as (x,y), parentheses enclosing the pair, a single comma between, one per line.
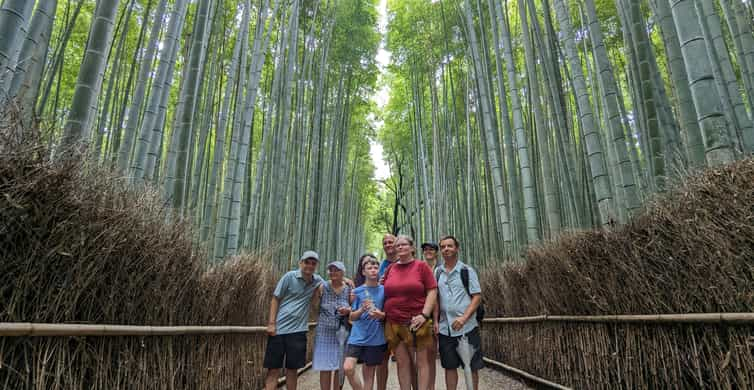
(404,307)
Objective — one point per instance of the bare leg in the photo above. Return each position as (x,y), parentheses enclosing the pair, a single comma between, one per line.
(368,373)
(405,368)
(422,367)
(349,366)
(451,379)
(382,373)
(291,379)
(325,380)
(432,351)
(271,380)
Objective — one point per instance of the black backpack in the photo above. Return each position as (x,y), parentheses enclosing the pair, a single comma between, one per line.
(465,280)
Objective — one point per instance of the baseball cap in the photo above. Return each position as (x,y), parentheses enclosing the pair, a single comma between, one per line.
(337,264)
(309,255)
(430,244)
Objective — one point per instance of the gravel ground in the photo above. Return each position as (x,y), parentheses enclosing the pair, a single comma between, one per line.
(488,379)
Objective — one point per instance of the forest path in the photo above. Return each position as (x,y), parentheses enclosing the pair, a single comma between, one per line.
(488,379)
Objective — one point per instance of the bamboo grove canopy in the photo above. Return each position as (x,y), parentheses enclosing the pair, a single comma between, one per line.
(511,121)
(507,123)
(250,116)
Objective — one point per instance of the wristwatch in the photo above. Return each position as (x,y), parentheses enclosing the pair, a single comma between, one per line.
(426,317)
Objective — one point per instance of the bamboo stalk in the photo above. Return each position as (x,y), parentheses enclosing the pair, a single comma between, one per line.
(19,329)
(524,374)
(690,318)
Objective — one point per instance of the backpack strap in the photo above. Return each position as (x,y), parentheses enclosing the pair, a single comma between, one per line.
(465,279)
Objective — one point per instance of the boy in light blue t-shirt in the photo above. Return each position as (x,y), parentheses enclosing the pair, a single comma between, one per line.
(367,341)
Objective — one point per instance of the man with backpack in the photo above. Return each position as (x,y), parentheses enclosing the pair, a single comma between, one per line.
(459,313)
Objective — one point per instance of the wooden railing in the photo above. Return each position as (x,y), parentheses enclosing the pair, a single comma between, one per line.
(95,330)
(692,318)
(29,329)
(19,329)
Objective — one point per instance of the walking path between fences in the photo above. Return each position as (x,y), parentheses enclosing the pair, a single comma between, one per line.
(511,342)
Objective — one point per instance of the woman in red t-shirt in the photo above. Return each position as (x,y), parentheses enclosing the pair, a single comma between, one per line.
(410,297)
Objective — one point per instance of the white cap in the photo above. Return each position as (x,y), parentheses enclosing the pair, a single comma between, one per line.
(309,255)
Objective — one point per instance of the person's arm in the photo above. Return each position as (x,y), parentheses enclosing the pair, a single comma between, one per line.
(356,314)
(280,289)
(430,283)
(317,295)
(429,305)
(459,322)
(475,290)
(377,314)
(272,322)
(345,310)
(436,317)
(360,306)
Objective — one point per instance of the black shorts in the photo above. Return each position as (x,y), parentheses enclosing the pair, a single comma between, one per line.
(289,348)
(449,357)
(371,355)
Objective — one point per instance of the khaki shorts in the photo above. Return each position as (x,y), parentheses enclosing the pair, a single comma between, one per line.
(400,333)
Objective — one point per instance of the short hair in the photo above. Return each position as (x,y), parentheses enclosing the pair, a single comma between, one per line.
(410,242)
(450,237)
(407,238)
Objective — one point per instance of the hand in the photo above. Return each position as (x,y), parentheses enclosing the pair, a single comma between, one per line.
(349,283)
(436,328)
(344,310)
(417,322)
(271,329)
(458,323)
(377,315)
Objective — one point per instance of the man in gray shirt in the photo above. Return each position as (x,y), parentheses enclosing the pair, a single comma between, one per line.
(457,309)
(287,327)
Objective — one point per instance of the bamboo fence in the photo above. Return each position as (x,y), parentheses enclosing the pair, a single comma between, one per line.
(561,348)
(679,351)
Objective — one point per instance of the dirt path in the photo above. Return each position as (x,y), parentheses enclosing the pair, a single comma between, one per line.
(488,379)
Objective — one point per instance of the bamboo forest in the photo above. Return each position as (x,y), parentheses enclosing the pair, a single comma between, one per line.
(163,163)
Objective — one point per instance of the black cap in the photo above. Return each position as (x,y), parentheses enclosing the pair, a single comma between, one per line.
(430,244)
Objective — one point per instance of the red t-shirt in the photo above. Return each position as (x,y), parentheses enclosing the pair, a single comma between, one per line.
(406,288)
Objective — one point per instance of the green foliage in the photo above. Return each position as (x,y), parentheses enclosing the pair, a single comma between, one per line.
(355,37)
